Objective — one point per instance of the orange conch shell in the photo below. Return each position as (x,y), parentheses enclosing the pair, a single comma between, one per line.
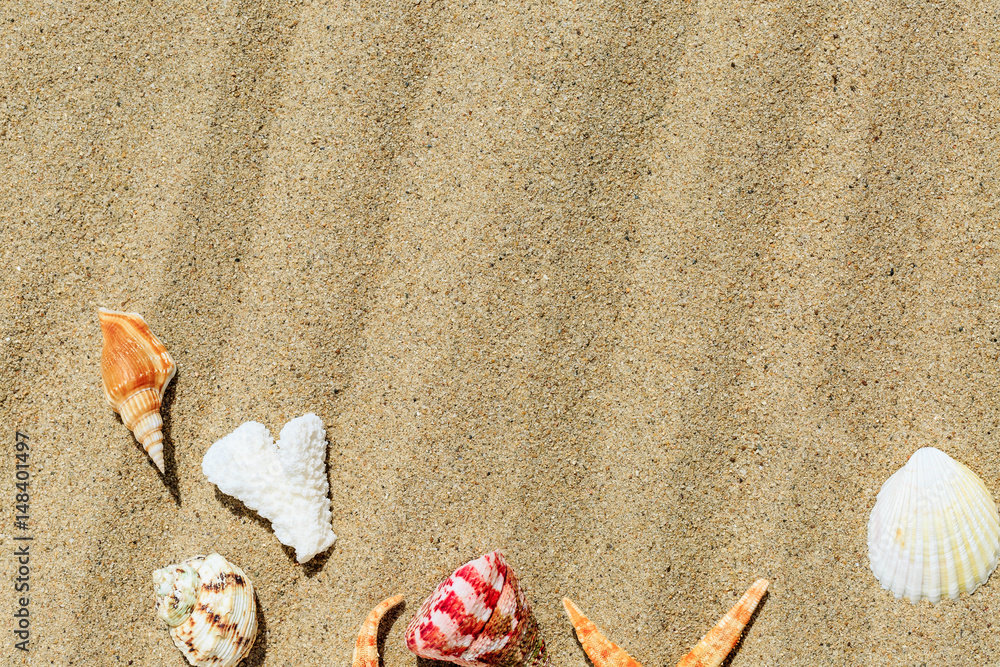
(709,652)
(136,369)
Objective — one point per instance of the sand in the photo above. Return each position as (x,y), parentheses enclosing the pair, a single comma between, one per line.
(651,297)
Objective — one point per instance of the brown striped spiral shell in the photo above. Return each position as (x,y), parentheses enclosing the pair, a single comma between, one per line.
(210,607)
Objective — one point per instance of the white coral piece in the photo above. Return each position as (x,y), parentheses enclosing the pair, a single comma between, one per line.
(284,482)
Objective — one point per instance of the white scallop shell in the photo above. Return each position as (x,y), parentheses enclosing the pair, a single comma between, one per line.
(210,608)
(934,530)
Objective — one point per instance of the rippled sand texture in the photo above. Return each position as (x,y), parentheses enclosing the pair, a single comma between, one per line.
(651,297)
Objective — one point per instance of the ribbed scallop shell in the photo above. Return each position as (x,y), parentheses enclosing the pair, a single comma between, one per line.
(136,369)
(934,530)
(478,617)
(210,608)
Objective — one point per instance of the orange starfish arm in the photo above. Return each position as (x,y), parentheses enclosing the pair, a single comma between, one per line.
(365,651)
(720,640)
(602,653)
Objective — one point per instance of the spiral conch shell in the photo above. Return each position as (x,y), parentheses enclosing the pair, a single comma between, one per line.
(136,369)
(209,605)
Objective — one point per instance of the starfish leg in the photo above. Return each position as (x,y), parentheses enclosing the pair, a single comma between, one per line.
(720,640)
(365,651)
(601,651)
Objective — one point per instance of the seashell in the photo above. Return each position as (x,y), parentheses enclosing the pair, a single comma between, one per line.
(934,529)
(209,605)
(284,482)
(136,369)
(365,650)
(478,617)
(709,652)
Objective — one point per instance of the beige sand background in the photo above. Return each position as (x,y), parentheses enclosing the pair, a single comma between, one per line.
(650,296)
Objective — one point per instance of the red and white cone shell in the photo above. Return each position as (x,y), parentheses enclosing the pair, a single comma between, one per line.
(478,617)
